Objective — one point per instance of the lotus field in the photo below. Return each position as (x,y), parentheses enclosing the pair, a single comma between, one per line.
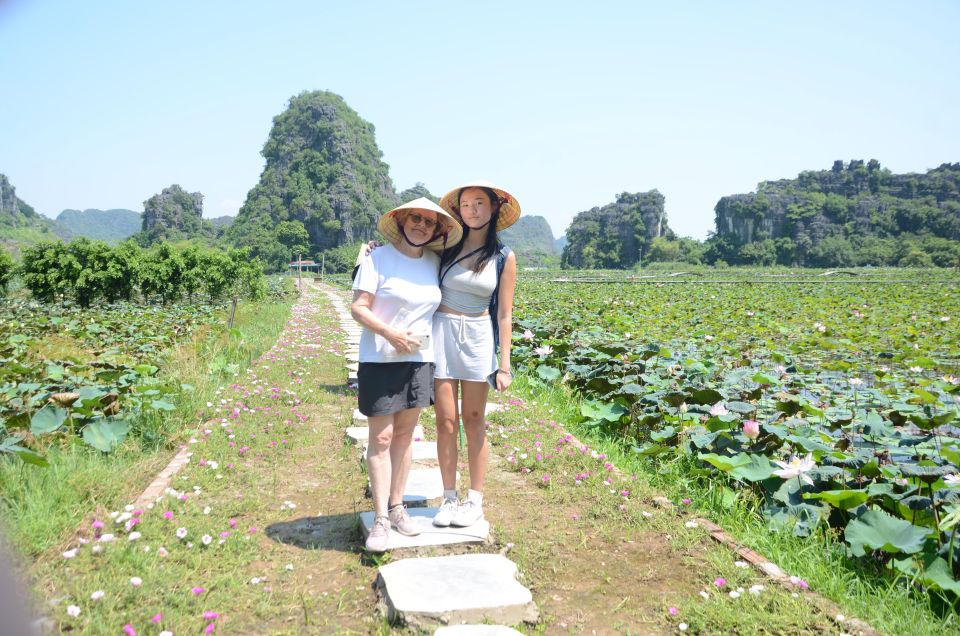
(66,370)
(829,401)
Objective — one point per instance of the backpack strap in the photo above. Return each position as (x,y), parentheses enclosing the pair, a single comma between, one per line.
(502,254)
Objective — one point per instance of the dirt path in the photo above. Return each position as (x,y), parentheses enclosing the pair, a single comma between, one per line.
(273,476)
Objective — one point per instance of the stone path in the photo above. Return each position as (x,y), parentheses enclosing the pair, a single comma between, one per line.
(453,590)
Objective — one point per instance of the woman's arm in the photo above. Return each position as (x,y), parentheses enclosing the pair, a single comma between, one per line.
(508,284)
(360,309)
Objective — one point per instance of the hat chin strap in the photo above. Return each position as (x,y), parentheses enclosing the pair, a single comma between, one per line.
(435,236)
(481,227)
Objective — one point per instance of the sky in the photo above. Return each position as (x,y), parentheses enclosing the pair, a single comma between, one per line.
(106,103)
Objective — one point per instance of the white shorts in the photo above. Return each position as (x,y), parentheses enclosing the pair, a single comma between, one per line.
(463,347)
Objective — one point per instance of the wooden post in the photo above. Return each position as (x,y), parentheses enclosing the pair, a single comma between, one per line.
(299,269)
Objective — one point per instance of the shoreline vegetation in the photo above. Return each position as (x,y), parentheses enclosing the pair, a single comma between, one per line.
(42,506)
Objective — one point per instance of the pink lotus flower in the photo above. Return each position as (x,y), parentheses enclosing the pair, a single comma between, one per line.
(527,335)
(751,428)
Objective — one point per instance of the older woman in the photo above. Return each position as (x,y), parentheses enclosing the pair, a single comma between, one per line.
(395,295)
(477,280)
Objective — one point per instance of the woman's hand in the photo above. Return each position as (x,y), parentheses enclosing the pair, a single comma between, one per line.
(367,249)
(402,341)
(504,380)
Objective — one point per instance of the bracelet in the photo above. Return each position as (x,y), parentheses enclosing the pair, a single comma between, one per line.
(504,371)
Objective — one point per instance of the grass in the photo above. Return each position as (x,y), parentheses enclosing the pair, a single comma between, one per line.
(888,606)
(267,506)
(41,507)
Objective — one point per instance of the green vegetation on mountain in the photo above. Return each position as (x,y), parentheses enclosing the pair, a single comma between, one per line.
(173,215)
(617,235)
(417,191)
(323,172)
(20,225)
(6,271)
(853,214)
(111,226)
(532,239)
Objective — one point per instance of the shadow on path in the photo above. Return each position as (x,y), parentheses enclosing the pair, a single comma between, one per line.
(329,532)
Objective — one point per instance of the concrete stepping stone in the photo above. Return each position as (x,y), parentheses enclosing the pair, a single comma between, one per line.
(352,377)
(430,535)
(465,588)
(359,417)
(424,482)
(477,630)
(352,366)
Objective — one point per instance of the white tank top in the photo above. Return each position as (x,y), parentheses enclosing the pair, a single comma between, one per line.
(468,291)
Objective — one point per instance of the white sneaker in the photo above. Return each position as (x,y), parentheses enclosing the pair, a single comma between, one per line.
(446,512)
(467,514)
(379,534)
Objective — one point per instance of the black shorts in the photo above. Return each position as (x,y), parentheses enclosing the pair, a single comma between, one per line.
(385,388)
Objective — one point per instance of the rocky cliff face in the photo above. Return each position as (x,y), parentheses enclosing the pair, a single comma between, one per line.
(616,235)
(849,199)
(172,215)
(323,170)
(13,211)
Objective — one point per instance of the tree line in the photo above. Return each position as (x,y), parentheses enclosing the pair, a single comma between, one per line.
(88,272)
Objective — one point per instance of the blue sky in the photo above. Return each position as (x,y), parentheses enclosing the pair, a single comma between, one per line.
(106,103)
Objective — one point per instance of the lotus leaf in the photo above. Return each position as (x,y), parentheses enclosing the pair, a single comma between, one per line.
(843,499)
(105,434)
(877,530)
(47,419)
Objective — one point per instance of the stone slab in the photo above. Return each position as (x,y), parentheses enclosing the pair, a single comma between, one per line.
(429,535)
(359,417)
(352,376)
(464,588)
(477,630)
(352,366)
(424,482)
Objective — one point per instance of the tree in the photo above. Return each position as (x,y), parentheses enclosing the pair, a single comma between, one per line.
(663,250)
(42,270)
(293,236)
(6,271)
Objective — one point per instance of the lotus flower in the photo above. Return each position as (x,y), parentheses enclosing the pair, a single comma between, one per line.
(527,334)
(718,409)
(751,428)
(796,467)
(543,351)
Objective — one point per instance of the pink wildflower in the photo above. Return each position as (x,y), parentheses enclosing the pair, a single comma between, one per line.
(720,581)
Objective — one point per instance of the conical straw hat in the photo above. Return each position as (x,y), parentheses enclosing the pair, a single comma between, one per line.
(509,206)
(450,229)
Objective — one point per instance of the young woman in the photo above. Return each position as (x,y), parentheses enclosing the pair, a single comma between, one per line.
(477,281)
(395,295)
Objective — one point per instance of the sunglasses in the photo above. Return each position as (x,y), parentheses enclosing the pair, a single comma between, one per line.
(417,219)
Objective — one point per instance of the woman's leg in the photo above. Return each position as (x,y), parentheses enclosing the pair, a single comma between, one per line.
(378,460)
(401,452)
(473,408)
(445,405)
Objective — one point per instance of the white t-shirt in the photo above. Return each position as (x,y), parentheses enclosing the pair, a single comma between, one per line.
(405,295)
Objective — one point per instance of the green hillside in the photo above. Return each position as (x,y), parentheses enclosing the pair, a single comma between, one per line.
(111,226)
